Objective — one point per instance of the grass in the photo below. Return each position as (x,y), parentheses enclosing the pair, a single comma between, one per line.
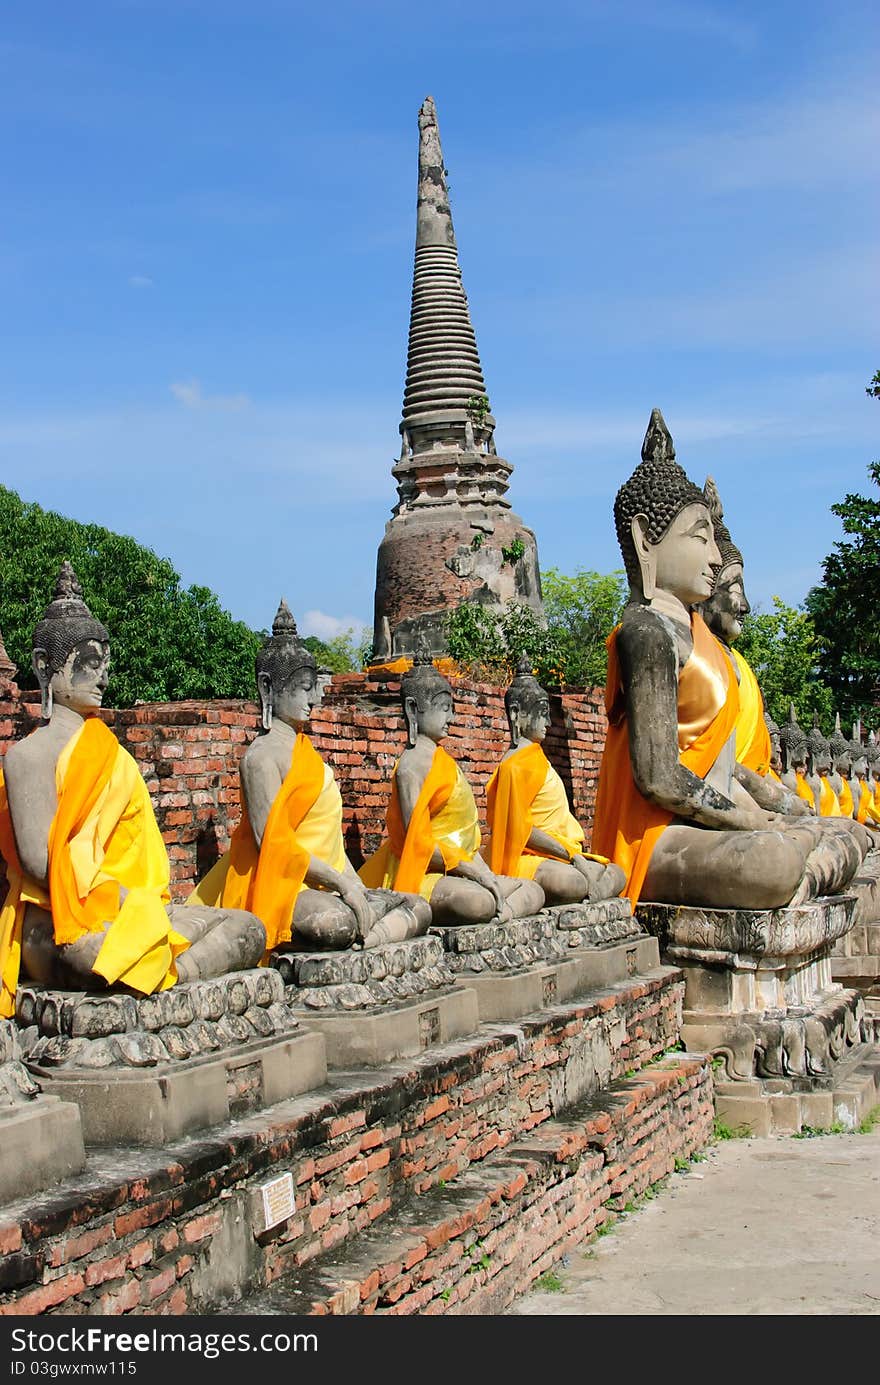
(549,1283)
(864,1127)
(720,1131)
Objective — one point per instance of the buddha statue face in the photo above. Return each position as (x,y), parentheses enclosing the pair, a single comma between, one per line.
(859,763)
(527,706)
(71,651)
(820,751)
(775,745)
(682,561)
(428,705)
(287,675)
(728,605)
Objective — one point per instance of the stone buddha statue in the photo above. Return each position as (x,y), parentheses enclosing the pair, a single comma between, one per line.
(287,860)
(724,613)
(795,759)
(841,769)
(433,836)
(670,809)
(860,785)
(775,771)
(533,834)
(820,766)
(88,901)
(872,777)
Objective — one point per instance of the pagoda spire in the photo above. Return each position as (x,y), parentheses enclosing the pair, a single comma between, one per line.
(445,403)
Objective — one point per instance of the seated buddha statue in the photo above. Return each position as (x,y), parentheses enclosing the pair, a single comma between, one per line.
(775,771)
(841,769)
(872,777)
(533,834)
(795,759)
(670,809)
(724,613)
(88,899)
(821,763)
(860,785)
(287,861)
(433,837)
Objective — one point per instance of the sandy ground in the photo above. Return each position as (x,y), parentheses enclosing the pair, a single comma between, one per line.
(763,1226)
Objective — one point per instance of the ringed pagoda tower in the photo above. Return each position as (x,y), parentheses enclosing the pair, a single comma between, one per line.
(453,536)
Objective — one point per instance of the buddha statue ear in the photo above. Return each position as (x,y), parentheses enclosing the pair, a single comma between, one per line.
(411,714)
(513,710)
(264,687)
(40,665)
(644,555)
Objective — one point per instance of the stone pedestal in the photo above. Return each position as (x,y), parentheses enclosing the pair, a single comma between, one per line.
(525,965)
(855,958)
(759,995)
(380,1003)
(148,1069)
(41,1136)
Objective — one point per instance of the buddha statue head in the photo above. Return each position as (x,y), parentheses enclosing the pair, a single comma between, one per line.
(859,753)
(426,698)
(872,756)
(287,674)
(728,605)
(819,749)
(841,750)
(663,526)
(793,742)
(527,705)
(71,650)
(775,743)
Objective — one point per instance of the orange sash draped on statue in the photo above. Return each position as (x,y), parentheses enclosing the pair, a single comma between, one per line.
(866,802)
(845,799)
(753,747)
(414,845)
(267,880)
(803,790)
(627,826)
(509,796)
(829,806)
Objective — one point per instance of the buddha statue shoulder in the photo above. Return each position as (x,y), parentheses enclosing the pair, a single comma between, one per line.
(841,769)
(670,808)
(88,904)
(533,834)
(795,759)
(820,770)
(287,861)
(432,842)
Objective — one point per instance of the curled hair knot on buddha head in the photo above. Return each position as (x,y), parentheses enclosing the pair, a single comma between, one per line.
(730,554)
(66,622)
(524,694)
(279,659)
(793,740)
(659,489)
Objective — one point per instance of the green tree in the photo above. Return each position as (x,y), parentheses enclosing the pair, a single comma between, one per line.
(782,648)
(582,610)
(167,642)
(846,606)
(341,654)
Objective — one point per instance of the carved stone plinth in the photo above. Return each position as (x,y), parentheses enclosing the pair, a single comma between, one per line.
(378,1003)
(41,1136)
(148,1069)
(759,995)
(527,964)
(855,958)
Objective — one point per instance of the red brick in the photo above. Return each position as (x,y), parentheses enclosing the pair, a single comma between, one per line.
(46,1296)
(201,1227)
(99,1271)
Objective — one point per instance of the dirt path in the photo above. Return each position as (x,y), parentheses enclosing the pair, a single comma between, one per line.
(763,1226)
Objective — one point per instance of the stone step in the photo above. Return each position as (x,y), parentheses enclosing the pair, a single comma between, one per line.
(777,1109)
(471,1245)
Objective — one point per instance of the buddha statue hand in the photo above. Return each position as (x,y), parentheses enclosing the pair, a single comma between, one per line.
(477,870)
(352,893)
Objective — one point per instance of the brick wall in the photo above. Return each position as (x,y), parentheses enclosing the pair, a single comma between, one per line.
(188,752)
(511,1124)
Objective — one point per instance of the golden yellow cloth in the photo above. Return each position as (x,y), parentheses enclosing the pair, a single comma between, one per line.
(752,737)
(866,802)
(626,825)
(525,792)
(444,818)
(845,799)
(874,806)
(103,840)
(771,774)
(305,820)
(803,789)
(829,806)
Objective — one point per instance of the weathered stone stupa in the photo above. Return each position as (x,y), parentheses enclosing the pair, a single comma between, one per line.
(453,536)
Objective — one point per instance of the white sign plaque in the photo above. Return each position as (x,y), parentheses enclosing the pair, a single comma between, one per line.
(278,1200)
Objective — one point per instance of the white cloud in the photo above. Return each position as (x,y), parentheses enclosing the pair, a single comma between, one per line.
(190,394)
(140,281)
(326,627)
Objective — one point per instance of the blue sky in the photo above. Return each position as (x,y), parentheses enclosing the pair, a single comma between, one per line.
(206,249)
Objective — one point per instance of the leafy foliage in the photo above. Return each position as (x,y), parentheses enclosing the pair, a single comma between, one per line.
(569,650)
(845,608)
(782,648)
(167,642)
(342,653)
